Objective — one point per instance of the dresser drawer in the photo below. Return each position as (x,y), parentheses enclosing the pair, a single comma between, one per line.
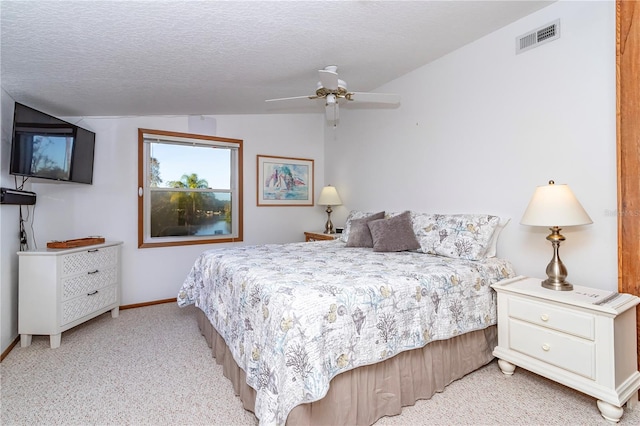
(546,315)
(81,306)
(89,260)
(87,282)
(564,351)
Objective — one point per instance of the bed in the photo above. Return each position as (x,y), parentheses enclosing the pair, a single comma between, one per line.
(350,330)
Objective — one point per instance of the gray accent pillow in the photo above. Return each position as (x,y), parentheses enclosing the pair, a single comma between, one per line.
(353,214)
(359,235)
(394,234)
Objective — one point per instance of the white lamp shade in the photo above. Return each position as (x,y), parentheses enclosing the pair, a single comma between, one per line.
(554,205)
(329,197)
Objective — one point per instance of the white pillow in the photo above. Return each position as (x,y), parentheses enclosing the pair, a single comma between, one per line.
(492,249)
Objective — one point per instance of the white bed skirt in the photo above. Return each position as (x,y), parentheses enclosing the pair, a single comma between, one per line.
(363,395)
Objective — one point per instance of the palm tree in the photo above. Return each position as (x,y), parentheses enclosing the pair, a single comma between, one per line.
(189,181)
(181,198)
(154,172)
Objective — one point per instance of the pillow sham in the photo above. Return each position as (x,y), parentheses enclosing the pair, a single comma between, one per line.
(394,234)
(463,236)
(492,249)
(359,234)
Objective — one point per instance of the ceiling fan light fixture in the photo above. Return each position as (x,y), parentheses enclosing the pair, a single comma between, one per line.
(331,112)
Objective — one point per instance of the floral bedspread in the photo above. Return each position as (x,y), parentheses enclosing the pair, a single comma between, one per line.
(296,315)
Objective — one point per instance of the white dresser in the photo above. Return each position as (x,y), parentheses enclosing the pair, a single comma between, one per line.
(584,339)
(61,288)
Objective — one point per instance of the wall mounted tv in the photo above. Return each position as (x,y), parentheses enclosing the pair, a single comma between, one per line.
(46,147)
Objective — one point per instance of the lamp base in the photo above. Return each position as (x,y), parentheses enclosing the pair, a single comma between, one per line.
(328,226)
(330,231)
(552,285)
(556,271)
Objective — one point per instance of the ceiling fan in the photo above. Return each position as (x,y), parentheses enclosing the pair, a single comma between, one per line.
(334,92)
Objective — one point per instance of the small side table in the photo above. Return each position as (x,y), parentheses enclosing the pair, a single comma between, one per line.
(319,236)
(584,339)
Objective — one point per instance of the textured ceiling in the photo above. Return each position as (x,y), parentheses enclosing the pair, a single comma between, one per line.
(120,58)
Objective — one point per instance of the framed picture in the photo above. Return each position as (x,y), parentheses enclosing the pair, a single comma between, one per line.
(285,181)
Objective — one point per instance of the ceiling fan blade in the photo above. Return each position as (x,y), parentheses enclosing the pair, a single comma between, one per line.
(329,79)
(295,97)
(384,98)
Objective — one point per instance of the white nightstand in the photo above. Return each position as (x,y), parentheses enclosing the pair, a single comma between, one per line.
(584,339)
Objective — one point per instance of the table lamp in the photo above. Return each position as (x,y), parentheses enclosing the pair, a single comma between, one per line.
(329,197)
(555,206)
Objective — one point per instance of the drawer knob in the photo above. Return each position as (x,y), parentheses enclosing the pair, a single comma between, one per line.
(92,293)
(546,347)
(93,272)
(544,317)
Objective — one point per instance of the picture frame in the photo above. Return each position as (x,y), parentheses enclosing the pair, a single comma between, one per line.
(284,181)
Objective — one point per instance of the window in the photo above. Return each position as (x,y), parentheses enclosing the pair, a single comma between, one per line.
(189,189)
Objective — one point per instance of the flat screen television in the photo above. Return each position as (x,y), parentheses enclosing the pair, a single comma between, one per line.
(46,147)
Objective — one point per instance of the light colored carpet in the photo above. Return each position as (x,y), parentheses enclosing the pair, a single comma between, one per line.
(151,366)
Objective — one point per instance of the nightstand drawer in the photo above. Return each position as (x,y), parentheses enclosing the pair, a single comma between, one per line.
(546,315)
(567,352)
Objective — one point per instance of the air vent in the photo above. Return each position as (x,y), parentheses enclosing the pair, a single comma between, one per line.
(538,37)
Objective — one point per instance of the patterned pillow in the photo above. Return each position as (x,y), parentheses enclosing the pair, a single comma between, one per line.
(359,234)
(394,234)
(465,236)
(354,214)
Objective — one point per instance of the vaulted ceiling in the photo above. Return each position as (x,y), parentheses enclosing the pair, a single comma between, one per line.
(120,58)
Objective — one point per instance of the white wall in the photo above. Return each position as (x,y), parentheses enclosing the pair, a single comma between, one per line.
(109,206)
(9,231)
(480,128)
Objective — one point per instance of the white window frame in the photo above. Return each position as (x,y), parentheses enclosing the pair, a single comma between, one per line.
(145,138)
